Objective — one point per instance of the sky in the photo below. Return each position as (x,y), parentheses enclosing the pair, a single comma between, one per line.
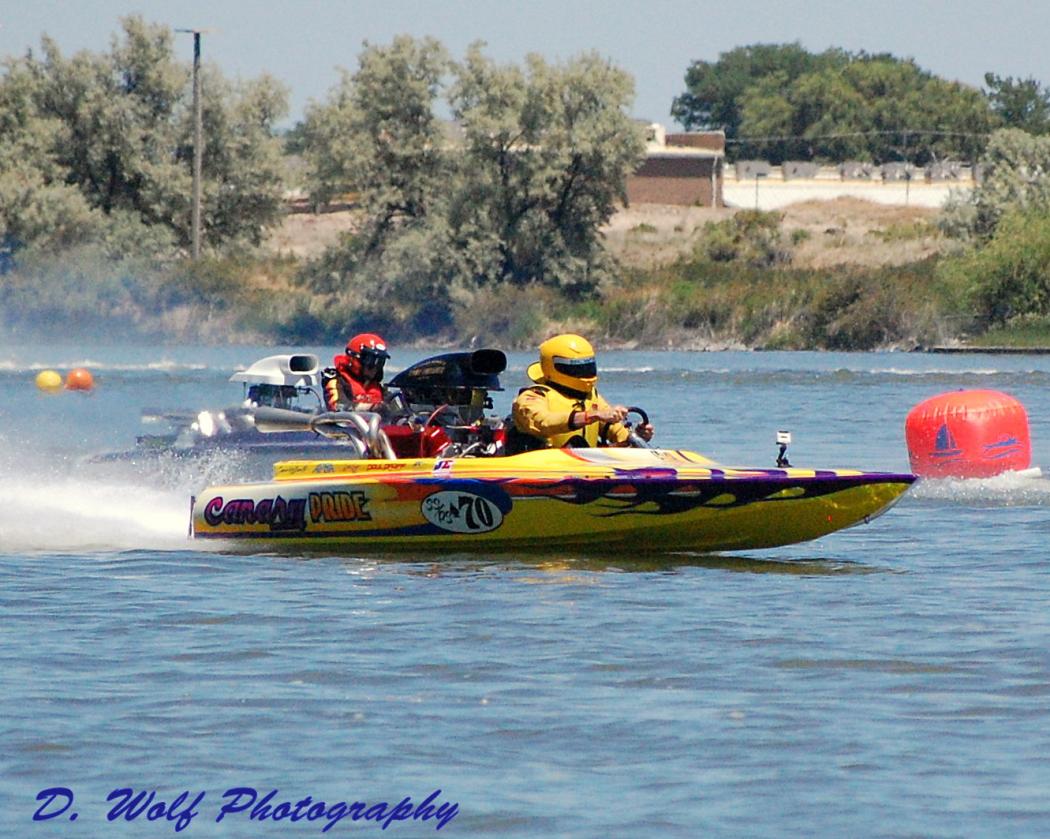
(303,43)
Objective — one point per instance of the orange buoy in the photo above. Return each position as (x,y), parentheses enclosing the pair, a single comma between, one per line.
(968,434)
(79,379)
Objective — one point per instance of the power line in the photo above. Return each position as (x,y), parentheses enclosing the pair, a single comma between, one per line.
(846,134)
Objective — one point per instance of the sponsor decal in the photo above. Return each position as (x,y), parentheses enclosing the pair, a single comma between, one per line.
(295,469)
(338,507)
(277,513)
(442,465)
(459,511)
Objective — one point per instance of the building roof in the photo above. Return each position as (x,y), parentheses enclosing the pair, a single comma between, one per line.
(652,150)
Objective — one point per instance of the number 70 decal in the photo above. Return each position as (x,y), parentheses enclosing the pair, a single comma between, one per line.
(461,512)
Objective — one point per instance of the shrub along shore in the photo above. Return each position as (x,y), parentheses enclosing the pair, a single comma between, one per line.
(842,275)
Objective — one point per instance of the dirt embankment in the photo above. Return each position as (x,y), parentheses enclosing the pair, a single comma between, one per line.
(306,235)
(821,234)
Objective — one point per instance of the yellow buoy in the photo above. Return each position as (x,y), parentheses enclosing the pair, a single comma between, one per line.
(79,379)
(48,381)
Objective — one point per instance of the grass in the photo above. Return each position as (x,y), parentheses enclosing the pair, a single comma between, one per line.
(906,231)
(1020,333)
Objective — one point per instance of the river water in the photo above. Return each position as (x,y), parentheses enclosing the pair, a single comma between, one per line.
(890,680)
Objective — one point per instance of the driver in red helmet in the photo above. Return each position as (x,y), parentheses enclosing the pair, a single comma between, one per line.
(356,384)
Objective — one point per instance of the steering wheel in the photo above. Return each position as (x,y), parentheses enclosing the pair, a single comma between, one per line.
(636,441)
(430,423)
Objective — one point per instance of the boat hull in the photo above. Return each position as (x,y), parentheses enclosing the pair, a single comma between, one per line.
(618,499)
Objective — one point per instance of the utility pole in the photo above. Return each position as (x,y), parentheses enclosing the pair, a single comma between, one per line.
(198,141)
(758,177)
(907,172)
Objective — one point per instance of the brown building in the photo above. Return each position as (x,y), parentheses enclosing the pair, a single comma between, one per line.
(683,169)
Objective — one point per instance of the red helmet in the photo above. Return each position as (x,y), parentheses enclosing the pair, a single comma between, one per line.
(367,351)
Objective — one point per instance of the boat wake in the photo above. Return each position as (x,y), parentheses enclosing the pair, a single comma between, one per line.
(62,506)
(76,515)
(1028,488)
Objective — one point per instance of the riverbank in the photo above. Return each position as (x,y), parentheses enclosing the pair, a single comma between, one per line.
(844,275)
(841,274)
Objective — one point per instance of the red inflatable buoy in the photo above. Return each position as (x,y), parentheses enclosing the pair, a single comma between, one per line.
(79,379)
(968,434)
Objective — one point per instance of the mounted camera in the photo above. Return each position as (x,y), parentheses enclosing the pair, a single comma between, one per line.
(783,441)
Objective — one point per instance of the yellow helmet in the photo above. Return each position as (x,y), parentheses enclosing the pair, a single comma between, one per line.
(566,360)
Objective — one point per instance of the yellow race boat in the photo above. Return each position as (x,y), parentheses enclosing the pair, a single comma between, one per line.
(616,499)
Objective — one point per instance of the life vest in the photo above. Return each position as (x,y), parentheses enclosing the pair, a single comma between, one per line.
(343,391)
(547,403)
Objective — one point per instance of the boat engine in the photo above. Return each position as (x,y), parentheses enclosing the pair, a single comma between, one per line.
(443,401)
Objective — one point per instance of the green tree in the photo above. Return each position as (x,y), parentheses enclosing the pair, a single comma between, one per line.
(242,172)
(780,103)
(36,205)
(1015,178)
(117,129)
(379,137)
(814,112)
(517,196)
(712,99)
(547,152)
(1019,103)
(322,139)
(872,108)
(1009,276)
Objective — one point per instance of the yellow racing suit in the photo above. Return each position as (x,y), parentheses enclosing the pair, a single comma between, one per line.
(544,412)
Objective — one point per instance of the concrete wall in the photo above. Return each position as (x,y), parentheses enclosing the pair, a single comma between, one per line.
(689,170)
(775,192)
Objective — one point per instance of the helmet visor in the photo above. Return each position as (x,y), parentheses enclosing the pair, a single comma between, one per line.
(373,359)
(577,368)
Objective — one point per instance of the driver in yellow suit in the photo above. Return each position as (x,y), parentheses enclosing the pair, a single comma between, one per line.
(563,408)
